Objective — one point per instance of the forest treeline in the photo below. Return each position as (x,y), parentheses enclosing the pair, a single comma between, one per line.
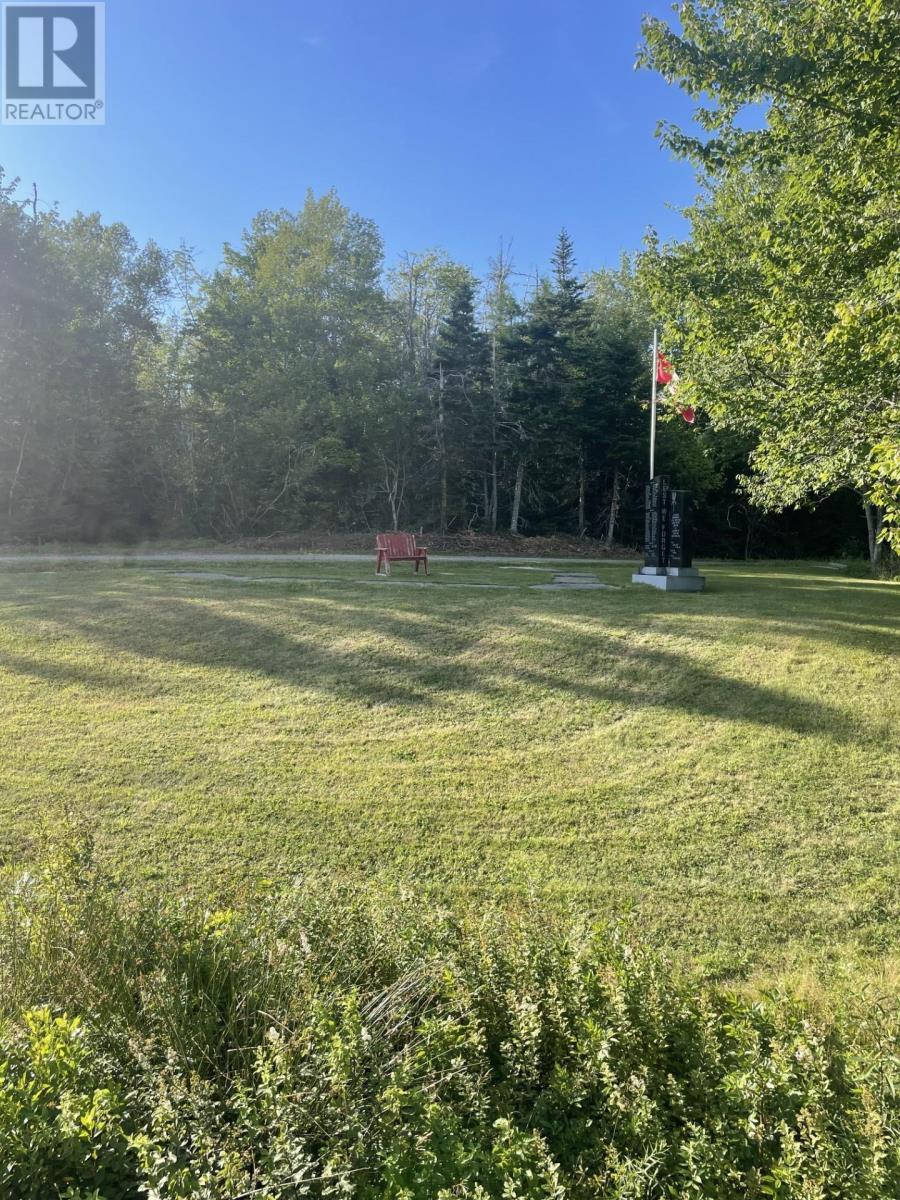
(304,384)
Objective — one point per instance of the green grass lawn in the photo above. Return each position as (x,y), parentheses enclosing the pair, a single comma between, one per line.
(724,767)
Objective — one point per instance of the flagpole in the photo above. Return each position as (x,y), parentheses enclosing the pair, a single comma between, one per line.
(653,404)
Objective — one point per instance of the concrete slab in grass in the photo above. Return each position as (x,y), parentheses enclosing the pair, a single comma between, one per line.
(572,582)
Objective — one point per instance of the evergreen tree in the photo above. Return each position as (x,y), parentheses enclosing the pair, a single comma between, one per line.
(460,379)
(502,313)
(551,352)
(568,290)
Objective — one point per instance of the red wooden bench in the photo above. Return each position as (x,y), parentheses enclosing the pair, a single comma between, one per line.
(398,547)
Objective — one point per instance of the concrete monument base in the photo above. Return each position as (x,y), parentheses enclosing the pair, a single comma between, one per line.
(671,579)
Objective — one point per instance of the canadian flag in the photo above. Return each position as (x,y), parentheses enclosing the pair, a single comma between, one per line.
(667,375)
(665,372)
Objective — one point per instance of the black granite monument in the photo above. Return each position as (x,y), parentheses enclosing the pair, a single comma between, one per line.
(668,545)
(656,525)
(681,549)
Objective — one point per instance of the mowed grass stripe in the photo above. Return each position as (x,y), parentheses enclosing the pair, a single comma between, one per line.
(725,767)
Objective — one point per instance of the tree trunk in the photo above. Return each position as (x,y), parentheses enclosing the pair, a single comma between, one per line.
(442,453)
(493,498)
(394,485)
(613,509)
(495,408)
(582,526)
(18,471)
(517,495)
(501,271)
(874,521)
(395,515)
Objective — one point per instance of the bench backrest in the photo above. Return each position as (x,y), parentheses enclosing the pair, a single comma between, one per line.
(397,545)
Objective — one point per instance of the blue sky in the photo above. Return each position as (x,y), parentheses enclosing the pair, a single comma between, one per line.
(450,124)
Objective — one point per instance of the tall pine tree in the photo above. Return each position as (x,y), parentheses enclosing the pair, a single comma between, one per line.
(460,389)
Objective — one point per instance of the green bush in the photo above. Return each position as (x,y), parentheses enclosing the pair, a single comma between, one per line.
(341,1045)
(59,1132)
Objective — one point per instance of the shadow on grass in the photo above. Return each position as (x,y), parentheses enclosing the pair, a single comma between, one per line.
(68,673)
(420,657)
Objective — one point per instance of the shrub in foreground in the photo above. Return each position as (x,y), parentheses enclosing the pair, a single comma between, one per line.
(326,1045)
